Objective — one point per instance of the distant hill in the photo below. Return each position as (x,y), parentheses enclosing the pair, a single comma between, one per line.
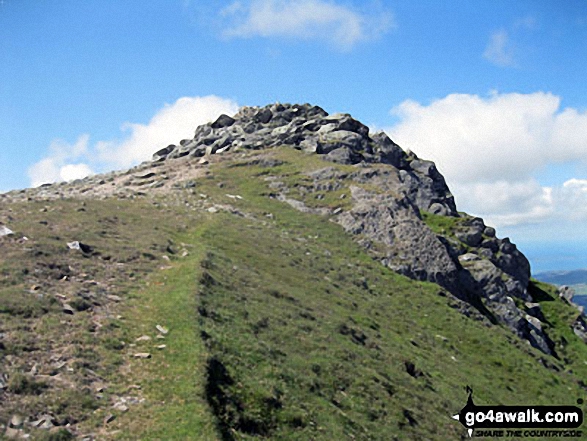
(573,277)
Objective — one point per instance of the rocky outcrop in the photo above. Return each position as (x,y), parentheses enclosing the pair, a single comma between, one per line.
(396,224)
(399,202)
(339,138)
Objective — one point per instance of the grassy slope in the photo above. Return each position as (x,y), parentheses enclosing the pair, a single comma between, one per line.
(38,274)
(317,337)
(173,380)
(293,332)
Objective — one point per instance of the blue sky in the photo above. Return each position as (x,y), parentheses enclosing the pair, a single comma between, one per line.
(493,91)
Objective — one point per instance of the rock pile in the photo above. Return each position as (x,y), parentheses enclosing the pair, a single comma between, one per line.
(338,137)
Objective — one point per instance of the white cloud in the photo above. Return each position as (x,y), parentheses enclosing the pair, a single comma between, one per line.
(491,151)
(339,25)
(57,166)
(505,203)
(169,125)
(499,50)
(71,172)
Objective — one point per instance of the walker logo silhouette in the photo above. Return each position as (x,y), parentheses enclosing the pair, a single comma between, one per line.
(520,421)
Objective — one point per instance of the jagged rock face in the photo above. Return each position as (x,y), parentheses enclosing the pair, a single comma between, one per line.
(466,258)
(396,224)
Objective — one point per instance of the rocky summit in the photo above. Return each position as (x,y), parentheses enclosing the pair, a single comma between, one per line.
(408,195)
(284,274)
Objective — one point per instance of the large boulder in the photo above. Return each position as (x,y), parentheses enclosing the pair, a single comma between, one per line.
(222,121)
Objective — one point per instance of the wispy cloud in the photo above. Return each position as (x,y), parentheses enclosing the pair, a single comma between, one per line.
(340,26)
(499,50)
(491,150)
(529,22)
(170,124)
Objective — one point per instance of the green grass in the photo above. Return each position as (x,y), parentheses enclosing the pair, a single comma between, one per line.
(560,317)
(280,327)
(311,338)
(173,380)
(443,225)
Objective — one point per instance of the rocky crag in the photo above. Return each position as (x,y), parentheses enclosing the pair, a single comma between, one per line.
(407,217)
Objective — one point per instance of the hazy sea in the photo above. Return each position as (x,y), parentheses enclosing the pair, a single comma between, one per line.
(555,256)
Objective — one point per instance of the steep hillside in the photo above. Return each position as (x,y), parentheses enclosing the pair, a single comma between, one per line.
(241,287)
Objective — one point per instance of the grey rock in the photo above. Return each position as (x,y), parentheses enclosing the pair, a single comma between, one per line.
(163,330)
(300,206)
(469,257)
(389,152)
(534,323)
(425,168)
(142,355)
(427,190)
(344,155)
(344,121)
(566,293)
(311,126)
(396,224)
(16,421)
(580,328)
(535,310)
(163,153)
(470,236)
(512,262)
(309,145)
(222,121)
(491,245)
(439,209)
(489,231)
(77,245)
(5,231)
(121,407)
(45,422)
(198,152)
(263,116)
(341,138)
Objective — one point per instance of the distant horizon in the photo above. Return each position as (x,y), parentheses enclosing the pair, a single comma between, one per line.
(550,256)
